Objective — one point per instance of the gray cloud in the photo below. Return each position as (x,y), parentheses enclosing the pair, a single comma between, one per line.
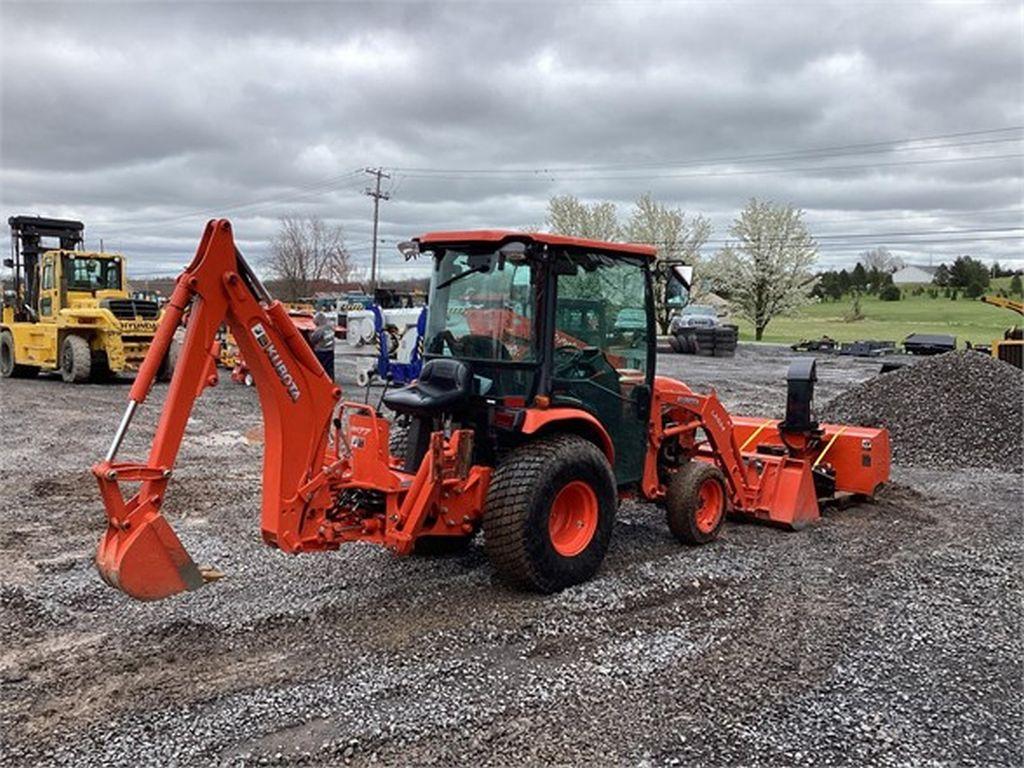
(144,119)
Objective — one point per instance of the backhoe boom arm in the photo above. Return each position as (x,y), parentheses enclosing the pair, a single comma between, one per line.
(140,553)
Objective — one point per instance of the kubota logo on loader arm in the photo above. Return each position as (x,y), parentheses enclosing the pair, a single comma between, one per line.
(260,333)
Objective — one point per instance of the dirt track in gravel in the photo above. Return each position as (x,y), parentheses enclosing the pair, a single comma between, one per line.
(888,633)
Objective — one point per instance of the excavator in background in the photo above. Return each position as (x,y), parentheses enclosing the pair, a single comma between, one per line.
(528,421)
(1010,348)
(70,310)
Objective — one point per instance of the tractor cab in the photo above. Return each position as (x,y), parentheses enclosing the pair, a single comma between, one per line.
(523,324)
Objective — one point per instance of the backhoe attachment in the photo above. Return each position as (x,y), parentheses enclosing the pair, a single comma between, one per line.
(139,553)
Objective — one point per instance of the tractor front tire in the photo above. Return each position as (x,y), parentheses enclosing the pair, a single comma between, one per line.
(8,368)
(75,360)
(696,503)
(549,513)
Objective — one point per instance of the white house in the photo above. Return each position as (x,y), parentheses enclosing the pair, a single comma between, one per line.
(913,273)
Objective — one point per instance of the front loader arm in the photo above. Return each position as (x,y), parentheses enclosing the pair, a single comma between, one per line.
(139,553)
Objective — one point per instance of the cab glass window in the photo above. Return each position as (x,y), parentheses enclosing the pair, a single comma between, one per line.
(482,308)
(601,310)
(86,274)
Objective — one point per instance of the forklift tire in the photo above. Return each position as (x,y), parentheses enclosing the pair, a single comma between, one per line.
(549,513)
(8,368)
(696,503)
(676,344)
(75,359)
(99,367)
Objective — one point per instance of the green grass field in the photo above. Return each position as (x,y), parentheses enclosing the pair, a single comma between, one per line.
(967,319)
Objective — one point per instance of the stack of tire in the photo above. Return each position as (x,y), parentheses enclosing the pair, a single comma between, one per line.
(716,341)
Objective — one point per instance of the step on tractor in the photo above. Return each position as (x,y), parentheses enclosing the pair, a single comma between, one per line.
(70,311)
(536,412)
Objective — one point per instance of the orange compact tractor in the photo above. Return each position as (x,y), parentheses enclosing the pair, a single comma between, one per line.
(537,410)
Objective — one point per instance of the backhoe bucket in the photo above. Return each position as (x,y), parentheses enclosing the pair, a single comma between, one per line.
(147,561)
(139,553)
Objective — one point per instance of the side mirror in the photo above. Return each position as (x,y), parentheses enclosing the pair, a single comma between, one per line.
(409,249)
(9,263)
(680,278)
(684,274)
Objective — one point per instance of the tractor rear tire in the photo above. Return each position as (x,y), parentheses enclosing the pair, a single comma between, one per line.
(8,368)
(75,359)
(696,503)
(549,513)
(398,439)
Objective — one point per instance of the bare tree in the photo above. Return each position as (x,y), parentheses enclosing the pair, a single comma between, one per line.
(306,252)
(567,215)
(767,272)
(881,259)
(675,237)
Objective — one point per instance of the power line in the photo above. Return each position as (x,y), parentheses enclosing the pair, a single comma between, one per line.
(750,172)
(301,191)
(883,146)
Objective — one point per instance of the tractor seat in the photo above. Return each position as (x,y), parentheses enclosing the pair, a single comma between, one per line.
(443,385)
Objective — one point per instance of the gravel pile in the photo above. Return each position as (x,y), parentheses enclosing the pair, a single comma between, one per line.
(953,410)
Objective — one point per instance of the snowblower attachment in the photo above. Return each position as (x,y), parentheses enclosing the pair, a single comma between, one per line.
(139,553)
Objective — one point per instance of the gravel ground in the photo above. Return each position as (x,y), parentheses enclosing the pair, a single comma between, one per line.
(889,634)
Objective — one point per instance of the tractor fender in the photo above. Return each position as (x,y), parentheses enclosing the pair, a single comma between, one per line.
(574,420)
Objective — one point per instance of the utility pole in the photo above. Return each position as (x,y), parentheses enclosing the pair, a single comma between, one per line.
(377,196)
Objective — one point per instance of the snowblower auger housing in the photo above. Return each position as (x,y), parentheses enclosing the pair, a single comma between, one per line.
(537,409)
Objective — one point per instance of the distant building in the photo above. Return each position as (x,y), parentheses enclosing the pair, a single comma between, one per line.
(913,273)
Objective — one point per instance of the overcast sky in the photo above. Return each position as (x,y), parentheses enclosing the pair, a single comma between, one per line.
(878,119)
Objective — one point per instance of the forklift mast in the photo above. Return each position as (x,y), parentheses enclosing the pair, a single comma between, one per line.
(27,235)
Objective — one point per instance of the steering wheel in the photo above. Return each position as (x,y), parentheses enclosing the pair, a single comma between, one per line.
(447,337)
(571,357)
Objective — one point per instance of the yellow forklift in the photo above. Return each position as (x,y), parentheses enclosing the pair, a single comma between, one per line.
(1010,348)
(69,310)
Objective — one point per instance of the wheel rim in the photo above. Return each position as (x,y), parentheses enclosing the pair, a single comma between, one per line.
(572,520)
(712,505)
(68,359)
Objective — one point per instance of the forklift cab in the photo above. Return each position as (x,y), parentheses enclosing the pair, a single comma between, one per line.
(542,321)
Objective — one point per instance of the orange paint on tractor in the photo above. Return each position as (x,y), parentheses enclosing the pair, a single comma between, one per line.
(329,476)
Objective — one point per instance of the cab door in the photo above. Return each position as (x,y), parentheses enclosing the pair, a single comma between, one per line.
(47,287)
(601,358)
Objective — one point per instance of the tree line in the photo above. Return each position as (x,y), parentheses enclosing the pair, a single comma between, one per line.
(966,276)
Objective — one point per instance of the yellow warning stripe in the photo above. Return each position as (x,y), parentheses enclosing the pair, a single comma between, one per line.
(754,434)
(827,447)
